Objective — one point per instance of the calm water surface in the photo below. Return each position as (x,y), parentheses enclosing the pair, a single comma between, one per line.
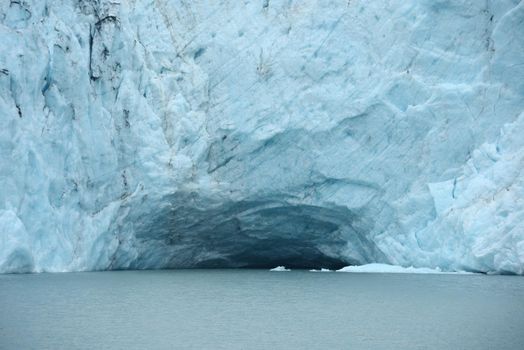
(254,309)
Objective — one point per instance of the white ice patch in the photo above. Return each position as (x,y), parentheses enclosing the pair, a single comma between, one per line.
(280,269)
(386,268)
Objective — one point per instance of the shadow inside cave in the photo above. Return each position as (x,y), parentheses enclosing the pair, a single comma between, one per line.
(189,231)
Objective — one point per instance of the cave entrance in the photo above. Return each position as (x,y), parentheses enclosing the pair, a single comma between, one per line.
(250,234)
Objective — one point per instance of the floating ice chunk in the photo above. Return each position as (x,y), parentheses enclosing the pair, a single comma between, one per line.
(280,269)
(321,270)
(386,268)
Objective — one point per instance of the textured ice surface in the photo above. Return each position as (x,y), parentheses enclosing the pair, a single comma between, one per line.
(151,134)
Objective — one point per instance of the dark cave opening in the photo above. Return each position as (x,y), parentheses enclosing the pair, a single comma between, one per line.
(192,232)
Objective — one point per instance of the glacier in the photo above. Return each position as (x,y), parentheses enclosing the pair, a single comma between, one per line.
(175,134)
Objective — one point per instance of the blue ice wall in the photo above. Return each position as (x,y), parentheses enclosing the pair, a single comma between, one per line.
(152,134)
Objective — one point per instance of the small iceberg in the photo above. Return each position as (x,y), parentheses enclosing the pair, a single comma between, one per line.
(321,270)
(280,269)
(386,268)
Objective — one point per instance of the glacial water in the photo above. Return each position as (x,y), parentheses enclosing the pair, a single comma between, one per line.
(257,309)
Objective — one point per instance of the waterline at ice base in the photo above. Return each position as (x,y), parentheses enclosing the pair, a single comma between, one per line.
(305,134)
